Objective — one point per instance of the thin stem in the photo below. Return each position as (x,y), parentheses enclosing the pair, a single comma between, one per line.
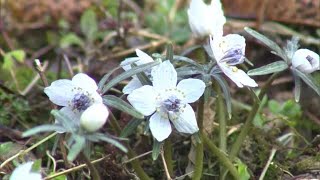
(167,148)
(199,147)
(221,156)
(266,167)
(131,154)
(94,171)
(165,166)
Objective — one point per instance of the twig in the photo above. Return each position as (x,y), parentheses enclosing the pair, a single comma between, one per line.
(264,171)
(165,166)
(69,67)
(137,157)
(94,171)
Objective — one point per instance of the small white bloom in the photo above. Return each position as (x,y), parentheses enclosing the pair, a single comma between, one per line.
(142,58)
(94,117)
(166,101)
(74,95)
(205,19)
(229,51)
(24,172)
(306,61)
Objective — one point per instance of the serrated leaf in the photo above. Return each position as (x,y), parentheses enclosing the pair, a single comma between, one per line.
(118,103)
(297,87)
(71,39)
(226,93)
(130,127)
(272,45)
(269,68)
(107,139)
(43,128)
(156,148)
(308,79)
(76,148)
(128,74)
(89,24)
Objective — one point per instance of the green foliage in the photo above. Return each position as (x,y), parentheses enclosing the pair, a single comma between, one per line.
(71,39)
(89,24)
(277,66)
(243,171)
(290,109)
(156,148)
(10,57)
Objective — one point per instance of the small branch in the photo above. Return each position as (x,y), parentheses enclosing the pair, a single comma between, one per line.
(168,155)
(264,171)
(165,166)
(94,171)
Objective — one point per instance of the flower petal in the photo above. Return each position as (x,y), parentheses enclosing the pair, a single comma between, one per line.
(132,85)
(238,76)
(164,76)
(144,99)
(60,92)
(160,127)
(192,89)
(186,123)
(143,57)
(84,81)
(126,64)
(24,171)
(305,60)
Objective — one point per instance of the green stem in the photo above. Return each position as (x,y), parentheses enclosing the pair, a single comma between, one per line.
(199,147)
(224,160)
(131,154)
(246,127)
(168,155)
(94,171)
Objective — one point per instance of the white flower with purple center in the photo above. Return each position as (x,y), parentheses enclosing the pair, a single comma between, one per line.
(135,83)
(305,61)
(74,95)
(168,102)
(229,51)
(24,172)
(206,19)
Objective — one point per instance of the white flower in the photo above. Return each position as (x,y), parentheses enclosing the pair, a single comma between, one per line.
(142,58)
(168,102)
(229,51)
(24,172)
(205,19)
(94,117)
(74,95)
(306,61)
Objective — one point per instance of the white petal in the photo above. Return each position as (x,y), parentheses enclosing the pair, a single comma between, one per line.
(160,127)
(60,92)
(97,99)
(301,62)
(84,81)
(126,64)
(143,57)
(164,76)
(192,89)
(132,85)
(232,41)
(94,117)
(24,172)
(238,76)
(144,99)
(186,123)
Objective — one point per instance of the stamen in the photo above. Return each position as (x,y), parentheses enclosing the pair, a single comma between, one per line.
(81,102)
(233,56)
(309,58)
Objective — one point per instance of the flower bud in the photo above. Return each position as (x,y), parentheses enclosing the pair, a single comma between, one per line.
(94,117)
(205,20)
(305,61)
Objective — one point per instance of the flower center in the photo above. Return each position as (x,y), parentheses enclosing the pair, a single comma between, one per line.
(233,56)
(172,104)
(80,102)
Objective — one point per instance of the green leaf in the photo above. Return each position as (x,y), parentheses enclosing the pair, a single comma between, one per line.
(89,24)
(105,78)
(118,103)
(71,39)
(297,88)
(36,166)
(308,79)
(128,74)
(243,171)
(187,71)
(130,127)
(68,124)
(76,148)
(107,139)
(187,60)
(10,57)
(169,55)
(269,68)
(269,43)
(43,128)
(156,148)
(226,93)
